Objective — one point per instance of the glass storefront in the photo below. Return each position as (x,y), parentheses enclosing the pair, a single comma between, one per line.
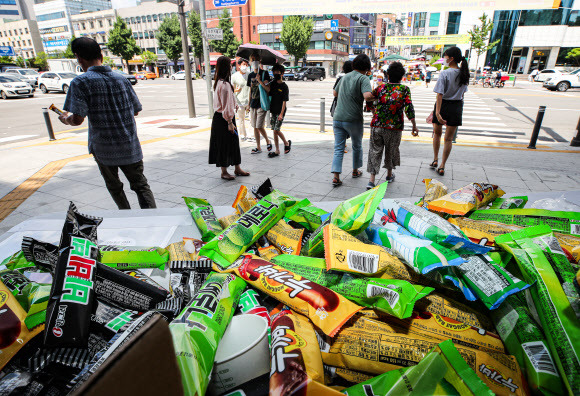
(505,24)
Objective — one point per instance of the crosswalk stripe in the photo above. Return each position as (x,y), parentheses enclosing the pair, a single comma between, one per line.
(12,138)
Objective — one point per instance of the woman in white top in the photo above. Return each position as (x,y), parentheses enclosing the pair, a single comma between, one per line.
(224,144)
(450,88)
(242,93)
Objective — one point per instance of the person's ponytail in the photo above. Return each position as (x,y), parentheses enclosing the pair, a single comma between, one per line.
(464,72)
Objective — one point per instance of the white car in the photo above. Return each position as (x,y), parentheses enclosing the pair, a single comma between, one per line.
(51,81)
(180,75)
(564,81)
(545,74)
(30,75)
(13,87)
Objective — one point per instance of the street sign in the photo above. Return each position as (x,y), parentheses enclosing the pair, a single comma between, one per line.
(6,50)
(215,34)
(334,25)
(229,3)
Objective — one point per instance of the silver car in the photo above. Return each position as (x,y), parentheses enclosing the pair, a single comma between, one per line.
(30,75)
(12,87)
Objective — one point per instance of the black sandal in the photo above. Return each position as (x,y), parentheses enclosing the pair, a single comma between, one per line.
(441,171)
(336,182)
(434,164)
(287,148)
(356,173)
(269,146)
(272,154)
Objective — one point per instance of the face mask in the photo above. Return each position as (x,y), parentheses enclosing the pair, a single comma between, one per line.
(244,69)
(277,77)
(256,64)
(446,63)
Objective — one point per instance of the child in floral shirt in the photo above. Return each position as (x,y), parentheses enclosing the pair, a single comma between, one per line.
(388,122)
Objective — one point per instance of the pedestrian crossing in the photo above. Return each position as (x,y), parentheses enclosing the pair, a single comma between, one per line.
(480,122)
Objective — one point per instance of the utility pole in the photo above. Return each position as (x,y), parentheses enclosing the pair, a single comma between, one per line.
(203,22)
(186,61)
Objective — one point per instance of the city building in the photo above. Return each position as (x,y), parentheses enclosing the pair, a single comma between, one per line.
(23,36)
(362,34)
(55,23)
(95,25)
(10,9)
(535,39)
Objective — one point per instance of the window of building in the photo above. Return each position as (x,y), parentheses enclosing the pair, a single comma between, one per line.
(140,35)
(92,24)
(453,22)
(434,19)
(132,19)
(7,2)
(146,34)
(216,14)
(100,23)
(83,26)
(49,17)
(151,34)
(328,44)
(574,18)
(26,30)
(154,17)
(135,35)
(21,31)
(9,12)
(559,16)
(1,34)
(110,22)
(318,25)
(254,29)
(138,19)
(29,42)
(319,45)
(433,33)
(148,18)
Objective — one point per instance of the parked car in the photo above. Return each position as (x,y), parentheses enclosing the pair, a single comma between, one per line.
(180,75)
(51,81)
(311,73)
(212,74)
(545,74)
(30,74)
(145,75)
(129,77)
(290,72)
(563,82)
(12,87)
(21,78)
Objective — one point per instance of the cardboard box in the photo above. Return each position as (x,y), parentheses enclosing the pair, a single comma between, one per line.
(144,365)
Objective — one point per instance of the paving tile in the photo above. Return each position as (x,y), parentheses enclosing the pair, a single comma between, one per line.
(68,188)
(504,183)
(398,190)
(478,176)
(560,186)
(13,219)
(493,175)
(552,176)
(537,186)
(343,192)
(528,175)
(312,187)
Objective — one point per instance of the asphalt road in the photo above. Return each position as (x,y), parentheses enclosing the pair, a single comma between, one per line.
(506,114)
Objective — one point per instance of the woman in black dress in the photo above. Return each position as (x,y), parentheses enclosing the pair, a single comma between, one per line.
(224,143)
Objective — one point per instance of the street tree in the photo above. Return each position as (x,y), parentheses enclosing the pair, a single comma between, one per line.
(6,59)
(68,51)
(149,58)
(194,31)
(230,43)
(121,41)
(296,34)
(20,62)
(40,61)
(107,61)
(574,55)
(169,39)
(479,37)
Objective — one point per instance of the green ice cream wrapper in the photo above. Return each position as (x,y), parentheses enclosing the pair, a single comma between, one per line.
(204,217)
(131,257)
(490,282)
(353,216)
(510,203)
(307,215)
(392,296)
(525,340)
(198,329)
(32,296)
(441,372)
(550,302)
(225,248)
(564,222)
(17,262)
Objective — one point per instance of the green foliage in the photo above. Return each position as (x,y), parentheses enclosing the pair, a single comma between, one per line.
(479,36)
(434,59)
(194,32)
(149,57)
(107,61)
(121,41)
(40,61)
(6,59)
(169,38)
(68,51)
(20,62)
(296,34)
(574,54)
(230,43)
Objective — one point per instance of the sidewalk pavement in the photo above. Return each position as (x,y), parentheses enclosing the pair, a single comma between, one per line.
(41,177)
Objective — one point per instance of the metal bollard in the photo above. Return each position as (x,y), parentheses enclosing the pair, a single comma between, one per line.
(48,124)
(515,78)
(576,141)
(322,115)
(537,127)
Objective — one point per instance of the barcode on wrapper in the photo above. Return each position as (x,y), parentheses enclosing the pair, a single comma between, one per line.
(540,357)
(391,296)
(575,228)
(362,262)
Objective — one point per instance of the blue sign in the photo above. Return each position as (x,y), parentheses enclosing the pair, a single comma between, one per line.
(6,50)
(229,3)
(334,25)
(56,43)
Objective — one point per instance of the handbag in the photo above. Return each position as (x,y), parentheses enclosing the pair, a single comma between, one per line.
(264,97)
